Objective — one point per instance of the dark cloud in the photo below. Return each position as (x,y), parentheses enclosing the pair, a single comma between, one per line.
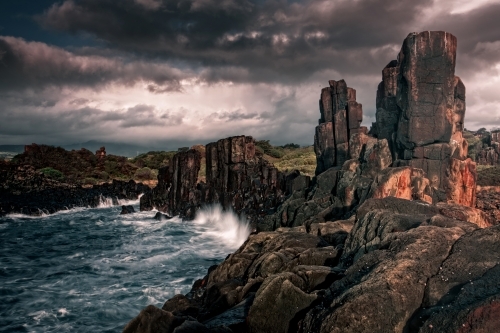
(72,124)
(36,65)
(253,67)
(233,115)
(259,40)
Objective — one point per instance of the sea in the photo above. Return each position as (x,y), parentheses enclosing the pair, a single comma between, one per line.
(93,270)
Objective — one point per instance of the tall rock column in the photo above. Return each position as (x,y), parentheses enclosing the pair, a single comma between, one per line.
(421,109)
(341,116)
(238,178)
(176,192)
(387,115)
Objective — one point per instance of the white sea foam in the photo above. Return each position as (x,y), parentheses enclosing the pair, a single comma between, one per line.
(224,225)
(63,312)
(106,202)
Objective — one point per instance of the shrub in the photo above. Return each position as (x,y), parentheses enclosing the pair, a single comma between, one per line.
(52,173)
(89,181)
(264,145)
(144,174)
(291,146)
(488,175)
(276,153)
(103,175)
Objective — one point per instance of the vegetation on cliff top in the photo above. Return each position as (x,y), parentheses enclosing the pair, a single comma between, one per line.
(488,175)
(84,167)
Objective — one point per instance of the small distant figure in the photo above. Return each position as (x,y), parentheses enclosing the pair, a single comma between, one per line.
(101,153)
(127,210)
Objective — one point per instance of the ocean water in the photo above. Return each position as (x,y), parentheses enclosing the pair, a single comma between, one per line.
(93,270)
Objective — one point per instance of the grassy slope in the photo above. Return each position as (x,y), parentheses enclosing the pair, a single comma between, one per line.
(488,175)
(302,159)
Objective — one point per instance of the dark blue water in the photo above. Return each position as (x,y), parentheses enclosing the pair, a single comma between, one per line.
(93,270)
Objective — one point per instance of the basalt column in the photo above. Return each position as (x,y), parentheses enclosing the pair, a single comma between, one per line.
(387,114)
(341,116)
(420,111)
(240,179)
(176,192)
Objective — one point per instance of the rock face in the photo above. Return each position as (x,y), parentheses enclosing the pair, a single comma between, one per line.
(488,201)
(236,177)
(420,111)
(176,192)
(385,237)
(423,269)
(239,178)
(427,272)
(490,154)
(341,116)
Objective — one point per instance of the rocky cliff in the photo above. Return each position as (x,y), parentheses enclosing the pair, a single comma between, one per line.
(420,111)
(384,239)
(489,154)
(25,190)
(341,116)
(237,177)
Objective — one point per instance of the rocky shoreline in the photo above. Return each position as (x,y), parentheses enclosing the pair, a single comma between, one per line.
(27,191)
(385,238)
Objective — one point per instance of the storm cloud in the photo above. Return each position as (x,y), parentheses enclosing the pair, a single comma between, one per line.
(199,70)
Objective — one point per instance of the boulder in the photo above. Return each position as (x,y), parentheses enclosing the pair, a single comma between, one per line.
(161,217)
(278,301)
(428,273)
(128,209)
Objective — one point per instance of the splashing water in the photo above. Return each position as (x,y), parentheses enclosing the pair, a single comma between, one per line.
(223,224)
(106,202)
(93,270)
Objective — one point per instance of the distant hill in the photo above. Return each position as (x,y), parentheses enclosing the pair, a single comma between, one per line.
(120,149)
(12,148)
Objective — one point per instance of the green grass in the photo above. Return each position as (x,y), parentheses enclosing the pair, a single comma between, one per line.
(302,159)
(488,175)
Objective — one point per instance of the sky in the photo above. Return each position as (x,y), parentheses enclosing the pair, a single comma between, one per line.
(176,73)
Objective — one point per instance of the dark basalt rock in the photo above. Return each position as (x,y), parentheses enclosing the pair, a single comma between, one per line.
(236,177)
(489,154)
(127,210)
(177,192)
(420,112)
(385,237)
(161,217)
(341,116)
(27,191)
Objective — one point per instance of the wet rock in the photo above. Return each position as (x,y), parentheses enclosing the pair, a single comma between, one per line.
(27,191)
(236,178)
(235,317)
(176,192)
(153,320)
(129,209)
(161,217)
(181,305)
